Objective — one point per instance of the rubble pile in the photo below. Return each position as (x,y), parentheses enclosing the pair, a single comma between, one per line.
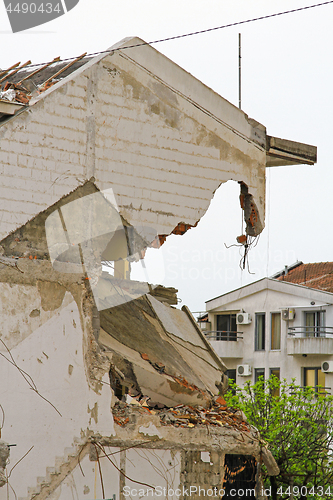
(219,414)
(15,92)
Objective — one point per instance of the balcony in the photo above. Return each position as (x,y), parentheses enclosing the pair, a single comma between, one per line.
(226,344)
(310,340)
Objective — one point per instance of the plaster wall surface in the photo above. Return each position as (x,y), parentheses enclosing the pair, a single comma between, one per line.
(157,468)
(77,486)
(145,470)
(268,300)
(116,121)
(22,313)
(52,358)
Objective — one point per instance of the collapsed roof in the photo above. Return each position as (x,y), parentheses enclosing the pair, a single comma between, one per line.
(158,351)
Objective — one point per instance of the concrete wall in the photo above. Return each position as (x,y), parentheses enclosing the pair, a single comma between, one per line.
(268,296)
(163,143)
(145,470)
(52,359)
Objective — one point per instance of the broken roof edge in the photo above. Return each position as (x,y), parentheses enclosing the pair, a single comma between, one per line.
(70,77)
(170,342)
(9,107)
(5,118)
(204,339)
(283,152)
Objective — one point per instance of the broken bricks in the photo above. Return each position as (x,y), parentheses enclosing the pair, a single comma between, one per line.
(182,415)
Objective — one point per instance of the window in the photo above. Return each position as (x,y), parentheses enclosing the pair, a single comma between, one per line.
(275,331)
(315,324)
(314,377)
(259,373)
(231,374)
(259,335)
(226,327)
(275,372)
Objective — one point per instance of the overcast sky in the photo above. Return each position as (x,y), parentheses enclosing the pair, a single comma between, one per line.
(287,78)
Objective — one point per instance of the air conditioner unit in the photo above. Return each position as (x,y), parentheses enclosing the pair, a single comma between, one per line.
(243,318)
(327,366)
(244,370)
(288,314)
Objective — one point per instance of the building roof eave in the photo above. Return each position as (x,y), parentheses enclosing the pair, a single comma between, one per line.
(282,152)
(271,284)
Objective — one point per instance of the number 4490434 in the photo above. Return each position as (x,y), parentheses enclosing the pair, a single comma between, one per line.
(304,491)
(33,8)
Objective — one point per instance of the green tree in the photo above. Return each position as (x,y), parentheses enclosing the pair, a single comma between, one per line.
(297,425)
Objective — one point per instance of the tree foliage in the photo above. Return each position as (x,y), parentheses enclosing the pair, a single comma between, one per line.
(297,425)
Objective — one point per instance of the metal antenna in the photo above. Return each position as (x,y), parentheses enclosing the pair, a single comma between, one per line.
(239,71)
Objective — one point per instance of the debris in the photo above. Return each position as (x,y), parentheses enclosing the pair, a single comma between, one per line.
(131,401)
(17,93)
(4,455)
(121,421)
(221,401)
(241,239)
(8,95)
(46,86)
(218,415)
(27,81)
(164,294)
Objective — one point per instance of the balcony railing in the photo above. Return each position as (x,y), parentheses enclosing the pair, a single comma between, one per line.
(226,344)
(311,331)
(317,390)
(323,390)
(223,335)
(310,340)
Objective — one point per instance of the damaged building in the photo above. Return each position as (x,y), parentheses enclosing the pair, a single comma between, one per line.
(111,390)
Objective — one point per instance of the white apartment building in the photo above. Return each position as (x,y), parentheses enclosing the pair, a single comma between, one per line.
(273,326)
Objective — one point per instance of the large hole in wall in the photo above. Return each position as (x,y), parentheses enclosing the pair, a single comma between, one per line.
(240,473)
(198,263)
(196,260)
